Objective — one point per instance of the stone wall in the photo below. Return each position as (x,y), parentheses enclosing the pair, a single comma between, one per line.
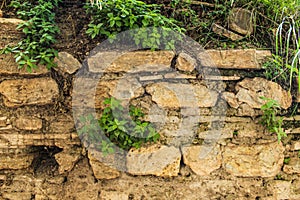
(212,145)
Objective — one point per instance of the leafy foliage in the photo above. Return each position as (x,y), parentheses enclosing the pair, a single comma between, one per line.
(118,127)
(40,31)
(116,16)
(270,119)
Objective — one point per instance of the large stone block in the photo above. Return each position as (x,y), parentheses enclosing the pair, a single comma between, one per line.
(233,59)
(28,123)
(250,91)
(171,95)
(37,91)
(253,161)
(138,61)
(202,159)
(154,160)
(16,161)
(293,167)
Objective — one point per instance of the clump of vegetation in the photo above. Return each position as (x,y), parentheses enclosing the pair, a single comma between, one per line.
(40,31)
(117,127)
(270,118)
(116,16)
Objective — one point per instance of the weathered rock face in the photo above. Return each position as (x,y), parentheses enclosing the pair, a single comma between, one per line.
(21,92)
(202,159)
(19,160)
(169,95)
(256,160)
(156,160)
(102,170)
(130,61)
(250,91)
(233,59)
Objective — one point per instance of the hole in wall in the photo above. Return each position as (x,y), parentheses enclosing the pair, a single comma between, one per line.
(44,161)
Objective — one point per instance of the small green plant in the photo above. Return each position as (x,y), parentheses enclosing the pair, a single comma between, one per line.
(115,126)
(270,119)
(235,132)
(40,30)
(286,160)
(116,16)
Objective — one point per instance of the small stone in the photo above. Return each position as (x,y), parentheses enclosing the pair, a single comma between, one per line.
(28,123)
(246,110)
(67,63)
(241,21)
(231,99)
(130,61)
(293,167)
(102,170)
(67,159)
(203,159)
(3,121)
(1,13)
(250,91)
(263,160)
(37,91)
(296,146)
(170,95)
(185,62)
(113,195)
(225,32)
(155,160)
(8,33)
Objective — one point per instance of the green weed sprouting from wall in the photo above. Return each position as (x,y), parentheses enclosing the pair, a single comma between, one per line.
(270,119)
(116,16)
(123,129)
(39,29)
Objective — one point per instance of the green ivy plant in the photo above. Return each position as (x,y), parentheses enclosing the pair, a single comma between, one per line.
(117,127)
(116,16)
(270,119)
(39,29)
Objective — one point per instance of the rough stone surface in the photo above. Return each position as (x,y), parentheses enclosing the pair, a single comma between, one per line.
(293,167)
(154,160)
(250,91)
(282,188)
(3,121)
(185,62)
(202,159)
(171,95)
(239,160)
(62,123)
(20,92)
(8,66)
(9,26)
(130,61)
(67,159)
(28,123)
(16,161)
(246,110)
(233,59)
(67,63)
(241,21)
(225,32)
(231,99)
(102,170)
